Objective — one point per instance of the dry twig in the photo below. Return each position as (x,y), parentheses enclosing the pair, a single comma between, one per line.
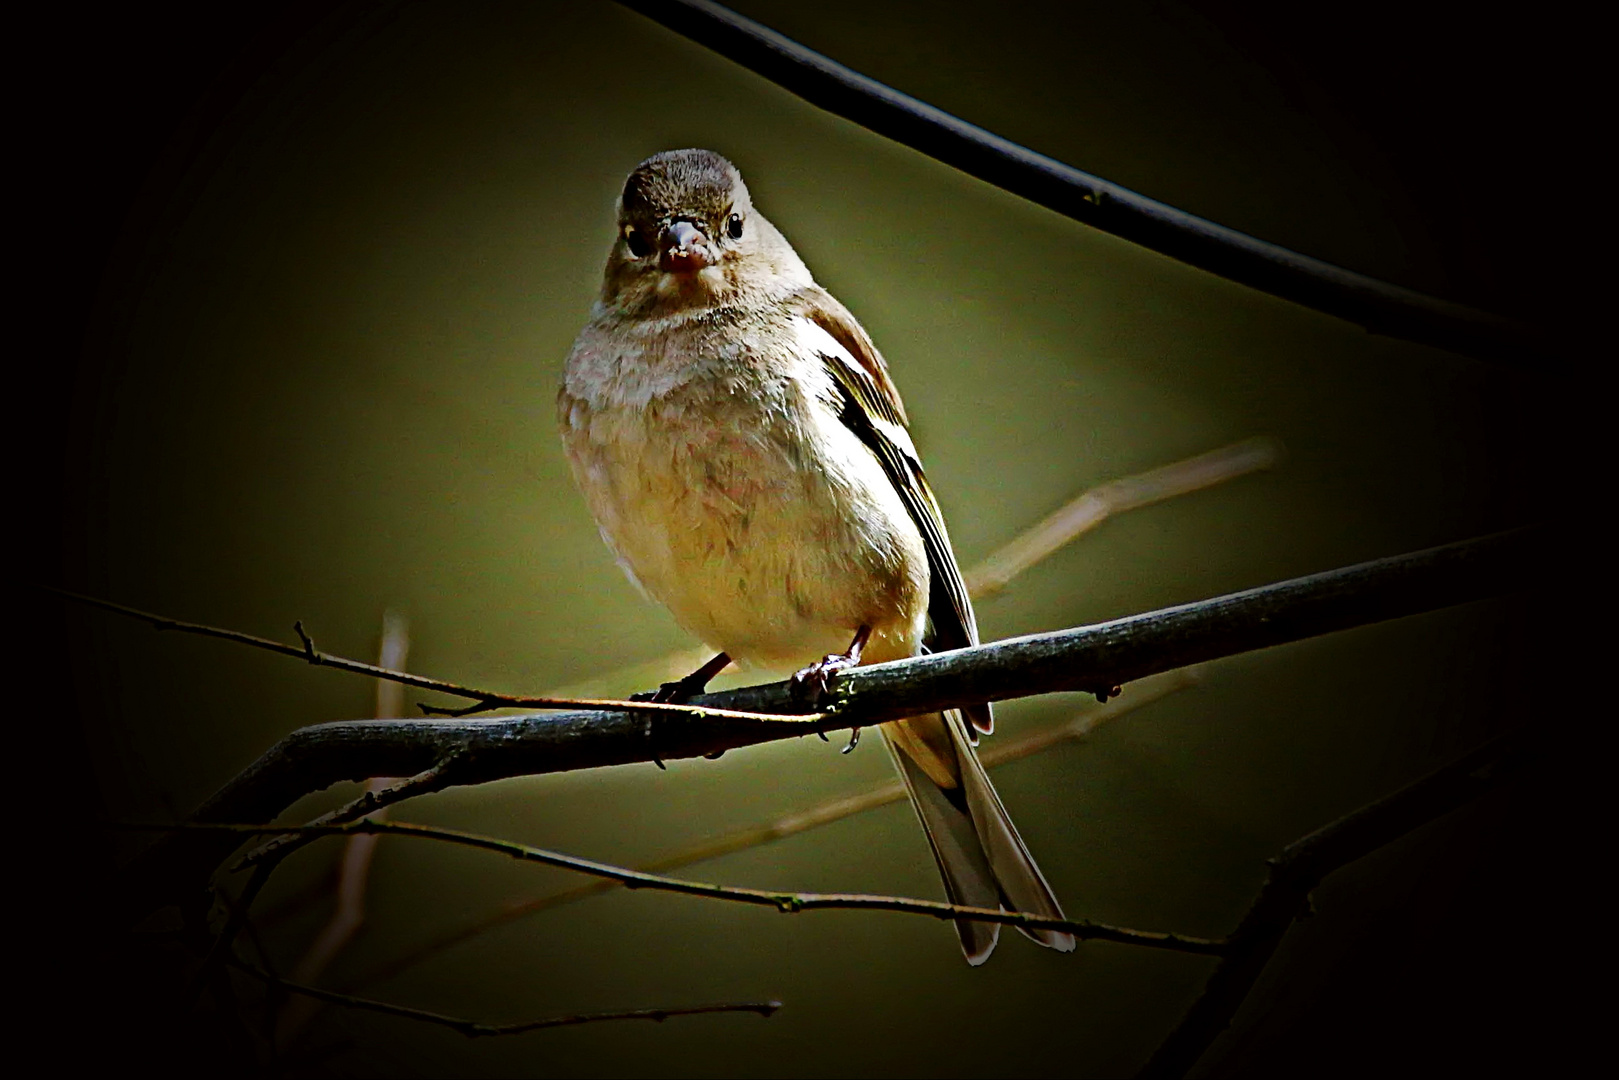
(473,1029)
(790,903)
(1090,509)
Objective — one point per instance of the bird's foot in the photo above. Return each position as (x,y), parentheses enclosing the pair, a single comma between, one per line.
(683,690)
(811,683)
(672,693)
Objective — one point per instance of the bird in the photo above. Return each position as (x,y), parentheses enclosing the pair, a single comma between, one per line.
(744,451)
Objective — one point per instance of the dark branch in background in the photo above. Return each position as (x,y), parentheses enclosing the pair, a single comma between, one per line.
(788,903)
(1376,305)
(473,1029)
(1095,659)
(1302,866)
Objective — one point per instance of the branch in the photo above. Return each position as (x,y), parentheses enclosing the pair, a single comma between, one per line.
(788,903)
(1377,305)
(822,813)
(1094,659)
(1301,867)
(473,1029)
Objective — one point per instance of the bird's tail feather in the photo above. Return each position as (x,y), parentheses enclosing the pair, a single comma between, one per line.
(981,857)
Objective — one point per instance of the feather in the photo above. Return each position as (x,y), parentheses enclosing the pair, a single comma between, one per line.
(981,858)
(873,411)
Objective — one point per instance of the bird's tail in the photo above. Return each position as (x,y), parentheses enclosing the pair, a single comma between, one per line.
(981,857)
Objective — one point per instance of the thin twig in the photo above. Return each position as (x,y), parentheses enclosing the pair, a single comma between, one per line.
(823,813)
(473,1029)
(369,803)
(790,903)
(1301,867)
(1377,305)
(482,699)
(1091,508)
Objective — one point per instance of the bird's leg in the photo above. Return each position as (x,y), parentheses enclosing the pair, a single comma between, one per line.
(683,690)
(811,682)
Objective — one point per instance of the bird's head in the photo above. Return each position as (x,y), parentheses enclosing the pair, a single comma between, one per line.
(689,237)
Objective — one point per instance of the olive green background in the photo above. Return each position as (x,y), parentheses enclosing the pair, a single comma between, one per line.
(326,371)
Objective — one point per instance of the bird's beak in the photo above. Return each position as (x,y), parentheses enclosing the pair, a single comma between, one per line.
(682,249)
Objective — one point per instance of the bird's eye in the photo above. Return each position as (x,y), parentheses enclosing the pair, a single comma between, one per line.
(638,245)
(733,226)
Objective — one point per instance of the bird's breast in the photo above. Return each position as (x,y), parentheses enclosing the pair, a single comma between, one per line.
(736,498)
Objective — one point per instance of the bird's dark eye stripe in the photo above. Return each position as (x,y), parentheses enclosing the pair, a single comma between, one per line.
(733,226)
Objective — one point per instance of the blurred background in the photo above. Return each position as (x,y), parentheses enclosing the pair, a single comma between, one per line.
(317,270)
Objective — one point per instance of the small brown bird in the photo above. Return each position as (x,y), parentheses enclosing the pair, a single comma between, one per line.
(745,453)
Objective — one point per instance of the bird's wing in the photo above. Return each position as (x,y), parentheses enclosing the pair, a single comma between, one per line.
(873,411)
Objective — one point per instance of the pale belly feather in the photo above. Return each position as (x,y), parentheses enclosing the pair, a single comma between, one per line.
(758,519)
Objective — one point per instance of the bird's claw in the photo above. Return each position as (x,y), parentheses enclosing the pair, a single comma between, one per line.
(670,693)
(812,683)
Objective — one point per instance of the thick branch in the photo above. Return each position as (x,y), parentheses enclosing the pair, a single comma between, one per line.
(1093,658)
(1377,305)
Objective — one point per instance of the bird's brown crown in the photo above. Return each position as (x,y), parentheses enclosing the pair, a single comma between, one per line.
(690,183)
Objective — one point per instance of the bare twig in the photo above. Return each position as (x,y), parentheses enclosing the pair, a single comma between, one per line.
(1095,506)
(1377,305)
(1301,867)
(790,903)
(1095,659)
(370,803)
(482,699)
(473,1029)
(823,813)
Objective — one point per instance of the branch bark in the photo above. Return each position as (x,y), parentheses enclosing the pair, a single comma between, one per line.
(1095,659)
(1376,305)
